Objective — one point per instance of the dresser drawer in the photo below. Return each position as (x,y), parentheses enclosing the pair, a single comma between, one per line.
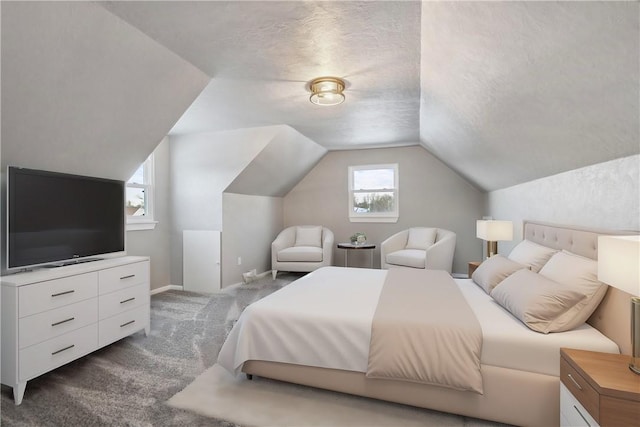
(580,388)
(572,413)
(121,301)
(56,293)
(48,355)
(123,324)
(117,278)
(50,324)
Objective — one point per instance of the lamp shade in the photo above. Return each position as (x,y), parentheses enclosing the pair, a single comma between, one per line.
(494,231)
(619,262)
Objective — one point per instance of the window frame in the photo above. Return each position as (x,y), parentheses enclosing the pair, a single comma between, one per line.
(147,222)
(375,216)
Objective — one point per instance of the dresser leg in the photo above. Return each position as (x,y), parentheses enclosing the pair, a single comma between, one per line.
(18,392)
(147,330)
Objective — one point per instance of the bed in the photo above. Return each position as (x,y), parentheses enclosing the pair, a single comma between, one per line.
(316,331)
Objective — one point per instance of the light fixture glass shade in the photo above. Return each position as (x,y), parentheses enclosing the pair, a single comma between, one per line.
(619,262)
(494,231)
(327,91)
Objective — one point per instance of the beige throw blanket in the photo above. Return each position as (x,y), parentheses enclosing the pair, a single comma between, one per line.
(424,331)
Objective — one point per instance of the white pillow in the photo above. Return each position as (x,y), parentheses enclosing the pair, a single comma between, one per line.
(580,274)
(493,271)
(421,238)
(538,302)
(309,235)
(531,254)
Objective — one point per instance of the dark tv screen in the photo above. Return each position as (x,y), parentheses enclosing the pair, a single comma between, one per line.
(58,217)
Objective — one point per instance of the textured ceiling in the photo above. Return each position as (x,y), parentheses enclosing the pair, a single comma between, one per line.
(503,92)
(262,55)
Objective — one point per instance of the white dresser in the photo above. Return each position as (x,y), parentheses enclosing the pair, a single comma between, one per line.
(51,317)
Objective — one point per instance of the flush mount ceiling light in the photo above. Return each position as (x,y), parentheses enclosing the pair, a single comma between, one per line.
(327,91)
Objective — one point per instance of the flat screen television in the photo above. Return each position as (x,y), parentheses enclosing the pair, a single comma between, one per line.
(58,218)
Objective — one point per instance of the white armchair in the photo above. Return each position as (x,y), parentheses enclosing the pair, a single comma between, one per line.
(302,248)
(419,247)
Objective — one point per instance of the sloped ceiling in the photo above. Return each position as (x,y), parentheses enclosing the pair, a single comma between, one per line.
(286,159)
(503,92)
(514,91)
(262,54)
(84,92)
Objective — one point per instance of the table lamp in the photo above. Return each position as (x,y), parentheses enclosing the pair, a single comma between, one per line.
(493,231)
(619,266)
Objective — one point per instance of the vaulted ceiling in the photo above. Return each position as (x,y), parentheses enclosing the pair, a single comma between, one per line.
(502,92)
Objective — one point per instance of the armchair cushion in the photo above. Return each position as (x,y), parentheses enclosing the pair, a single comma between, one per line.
(408,257)
(300,254)
(309,236)
(421,238)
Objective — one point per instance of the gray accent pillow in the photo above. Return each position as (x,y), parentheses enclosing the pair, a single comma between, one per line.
(537,301)
(493,271)
(580,274)
(531,254)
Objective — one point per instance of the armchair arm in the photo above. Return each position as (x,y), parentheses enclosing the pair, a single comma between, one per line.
(327,247)
(440,254)
(394,243)
(285,239)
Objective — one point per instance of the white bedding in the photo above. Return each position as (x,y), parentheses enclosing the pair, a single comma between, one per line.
(324,320)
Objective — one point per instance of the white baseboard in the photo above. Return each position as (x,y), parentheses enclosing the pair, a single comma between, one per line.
(166,288)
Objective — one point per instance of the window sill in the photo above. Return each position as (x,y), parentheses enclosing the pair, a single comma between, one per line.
(373,219)
(138,226)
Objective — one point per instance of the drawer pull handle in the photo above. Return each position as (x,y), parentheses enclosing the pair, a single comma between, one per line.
(127,277)
(581,416)
(62,349)
(63,321)
(63,293)
(574,381)
(127,300)
(128,323)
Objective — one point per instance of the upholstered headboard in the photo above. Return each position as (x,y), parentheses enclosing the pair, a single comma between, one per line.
(613,315)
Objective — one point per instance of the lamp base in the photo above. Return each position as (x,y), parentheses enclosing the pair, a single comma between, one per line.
(634,365)
(492,248)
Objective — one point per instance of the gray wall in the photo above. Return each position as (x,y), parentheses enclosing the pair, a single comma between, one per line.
(201,167)
(606,195)
(155,243)
(431,194)
(250,224)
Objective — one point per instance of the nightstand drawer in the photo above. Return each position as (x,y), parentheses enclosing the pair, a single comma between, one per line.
(578,386)
(572,413)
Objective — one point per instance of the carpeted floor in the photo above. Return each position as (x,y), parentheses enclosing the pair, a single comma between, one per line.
(129,382)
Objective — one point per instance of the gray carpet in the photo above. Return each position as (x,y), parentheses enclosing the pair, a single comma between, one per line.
(129,382)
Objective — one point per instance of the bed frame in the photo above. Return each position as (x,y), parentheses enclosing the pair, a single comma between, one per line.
(510,396)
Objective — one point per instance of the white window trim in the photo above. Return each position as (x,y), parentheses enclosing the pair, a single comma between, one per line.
(148,222)
(375,216)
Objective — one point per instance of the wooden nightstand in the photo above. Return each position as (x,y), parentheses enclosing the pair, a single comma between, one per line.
(598,389)
(472,267)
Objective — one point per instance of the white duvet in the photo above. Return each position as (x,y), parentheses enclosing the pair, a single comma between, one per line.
(324,320)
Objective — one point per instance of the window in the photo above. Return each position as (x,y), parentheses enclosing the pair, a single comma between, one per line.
(139,198)
(373,193)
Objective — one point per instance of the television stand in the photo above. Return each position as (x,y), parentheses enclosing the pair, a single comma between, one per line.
(51,317)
